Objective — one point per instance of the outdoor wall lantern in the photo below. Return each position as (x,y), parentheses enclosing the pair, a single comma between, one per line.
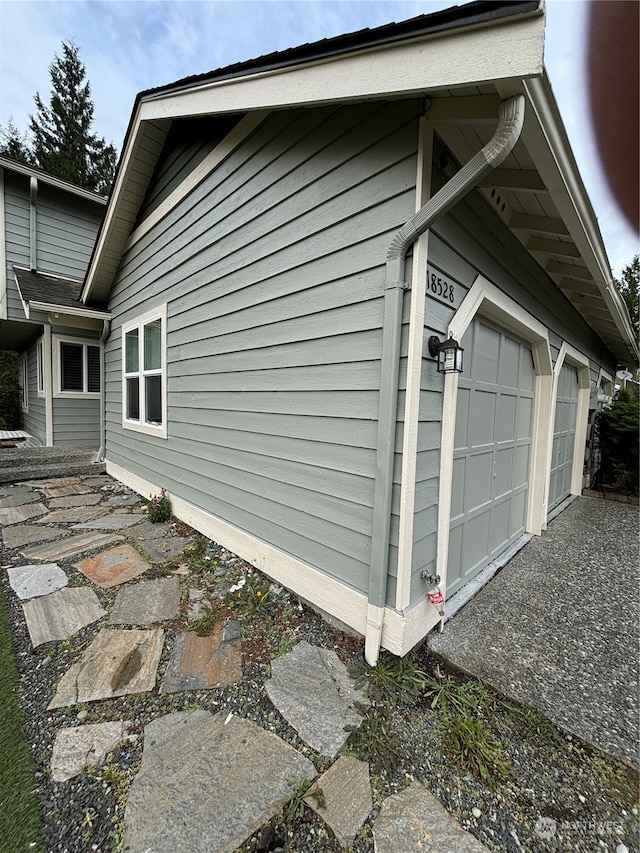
(448,352)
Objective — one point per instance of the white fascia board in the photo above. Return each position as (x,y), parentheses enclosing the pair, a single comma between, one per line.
(547,142)
(50,308)
(511,49)
(58,183)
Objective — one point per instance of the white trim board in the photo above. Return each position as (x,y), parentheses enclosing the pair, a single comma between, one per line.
(401,631)
(3,253)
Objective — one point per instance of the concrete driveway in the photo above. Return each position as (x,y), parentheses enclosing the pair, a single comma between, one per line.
(558,628)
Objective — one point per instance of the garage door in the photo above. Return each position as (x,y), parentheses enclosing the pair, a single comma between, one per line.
(564,436)
(492,450)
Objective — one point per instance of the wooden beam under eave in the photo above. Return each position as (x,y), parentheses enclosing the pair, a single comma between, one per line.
(516,179)
(475,109)
(553,247)
(569,270)
(544,224)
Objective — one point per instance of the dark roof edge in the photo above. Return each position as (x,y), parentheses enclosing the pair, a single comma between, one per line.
(471,14)
(60,183)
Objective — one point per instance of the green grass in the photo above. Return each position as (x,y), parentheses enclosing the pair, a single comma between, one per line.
(20,821)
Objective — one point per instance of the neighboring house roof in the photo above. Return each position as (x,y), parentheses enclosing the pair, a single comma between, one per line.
(42,292)
(45,178)
(498,52)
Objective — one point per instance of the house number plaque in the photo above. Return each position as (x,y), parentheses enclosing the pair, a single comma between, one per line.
(443,289)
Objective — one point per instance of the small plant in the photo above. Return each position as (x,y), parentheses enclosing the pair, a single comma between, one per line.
(474,748)
(451,696)
(393,679)
(204,625)
(375,740)
(295,806)
(252,597)
(159,508)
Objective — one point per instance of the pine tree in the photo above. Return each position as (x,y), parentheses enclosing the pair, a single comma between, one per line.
(629,287)
(63,144)
(14,144)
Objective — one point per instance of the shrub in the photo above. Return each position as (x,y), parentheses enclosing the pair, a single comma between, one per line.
(10,411)
(619,429)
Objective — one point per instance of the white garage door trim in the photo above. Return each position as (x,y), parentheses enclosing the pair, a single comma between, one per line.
(491,302)
(570,355)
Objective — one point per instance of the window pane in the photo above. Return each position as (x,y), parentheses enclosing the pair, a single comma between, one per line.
(153,345)
(131,351)
(153,395)
(133,399)
(71,355)
(93,369)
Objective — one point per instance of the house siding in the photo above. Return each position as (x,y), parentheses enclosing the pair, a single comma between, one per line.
(273,274)
(16,224)
(76,422)
(34,421)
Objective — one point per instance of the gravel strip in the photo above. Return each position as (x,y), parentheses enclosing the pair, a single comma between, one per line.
(560,795)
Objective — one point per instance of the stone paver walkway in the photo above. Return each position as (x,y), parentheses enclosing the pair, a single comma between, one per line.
(206,782)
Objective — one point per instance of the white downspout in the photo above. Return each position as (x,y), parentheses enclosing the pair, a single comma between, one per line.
(510,122)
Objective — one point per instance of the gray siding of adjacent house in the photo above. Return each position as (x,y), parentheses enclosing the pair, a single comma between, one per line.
(33,421)
(76,420)
(66,229)
(471,240)
(273,274)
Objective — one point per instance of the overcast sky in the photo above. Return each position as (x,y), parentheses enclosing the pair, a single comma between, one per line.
(131,45)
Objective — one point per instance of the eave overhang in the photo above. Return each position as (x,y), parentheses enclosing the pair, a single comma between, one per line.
(464,72)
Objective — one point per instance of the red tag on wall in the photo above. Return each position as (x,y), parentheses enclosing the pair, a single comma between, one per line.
(436,597)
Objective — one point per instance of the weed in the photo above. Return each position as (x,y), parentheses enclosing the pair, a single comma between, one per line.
(531,722)
(252,598)
(394,679)
(295,806)
(204,625)
(473,747)
(375,740)
(454,697)
(159,508)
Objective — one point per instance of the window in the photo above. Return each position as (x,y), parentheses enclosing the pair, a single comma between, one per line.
(78,368)
(40,365)
(24,383)
(144,373)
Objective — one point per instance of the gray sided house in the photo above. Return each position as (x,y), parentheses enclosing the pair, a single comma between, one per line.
(48,228)
(284,237)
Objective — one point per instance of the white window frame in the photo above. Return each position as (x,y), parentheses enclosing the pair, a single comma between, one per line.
(24,382)
(57,357)
(40,366)
(138,323)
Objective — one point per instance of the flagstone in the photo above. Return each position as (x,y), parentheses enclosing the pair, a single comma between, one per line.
(70,546)
(113,567)
(17,500)
(415,820)
(72,514)
(18,514)
(206,783)
(60,614)
(311,688)
(84,746)
(346,797)
(74,500)
(202,663)
(7,489)
(147,530)
(117,663)
(27,534)
(160,550)
(122,500)
(60,491)
(155,600)
(111,522)
(34,580)
(52,481)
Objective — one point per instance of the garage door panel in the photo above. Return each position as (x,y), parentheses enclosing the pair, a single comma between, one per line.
(478,481)
(486,354)
(506,417)
(503,476)
(481,418)
(462,419)
(509,367)
(521,465)
(499,527)
(457,489)
(524,418)
(517,512)
(564,436)
(526,373)
(475,543)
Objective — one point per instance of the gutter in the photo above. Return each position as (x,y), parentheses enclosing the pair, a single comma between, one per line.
(106,328)
(510,123)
